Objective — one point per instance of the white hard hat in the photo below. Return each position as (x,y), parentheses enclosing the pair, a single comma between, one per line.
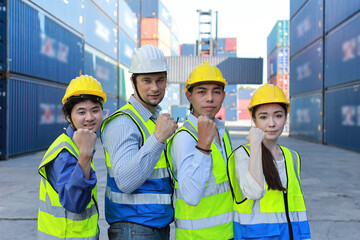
(148,59)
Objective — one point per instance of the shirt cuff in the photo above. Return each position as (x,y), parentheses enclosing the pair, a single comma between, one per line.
(252,189)
(80,181)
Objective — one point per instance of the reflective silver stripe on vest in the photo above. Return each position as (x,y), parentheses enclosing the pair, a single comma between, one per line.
(135,199)
(61,145)
(210,190)
(194,224)
(138,121)
(157,173)
(190,127)
(257,217)
(61,212)
(44,236)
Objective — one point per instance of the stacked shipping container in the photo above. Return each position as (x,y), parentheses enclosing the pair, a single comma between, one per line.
(325,76)
(50,43)
(278,56)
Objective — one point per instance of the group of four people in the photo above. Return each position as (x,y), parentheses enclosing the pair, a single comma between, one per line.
(158,173)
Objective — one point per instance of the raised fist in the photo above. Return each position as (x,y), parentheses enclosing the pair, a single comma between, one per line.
(165,127)
(207,130)
(256,135)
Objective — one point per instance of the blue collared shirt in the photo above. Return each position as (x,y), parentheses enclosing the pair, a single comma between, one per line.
(192,166)
(132,160)
(67,178)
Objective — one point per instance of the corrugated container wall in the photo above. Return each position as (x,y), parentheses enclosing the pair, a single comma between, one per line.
(110,7)
(38,46)
(306,117)
(128,22)
(126,48)
(342,57)
(278,61)
(100,32)
(69,12)
(306,26)
(307,70)
(103,69)
(35,119)
(231,114)
(342,117)
(243,112)
(339,11)
(155,9)
(279,36)
(155,29)
(295,5)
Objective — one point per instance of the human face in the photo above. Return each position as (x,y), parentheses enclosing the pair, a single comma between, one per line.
(270,118)
(151,88)
(206,99)
(87,115)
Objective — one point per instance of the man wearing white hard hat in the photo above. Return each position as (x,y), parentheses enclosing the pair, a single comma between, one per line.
(139,190)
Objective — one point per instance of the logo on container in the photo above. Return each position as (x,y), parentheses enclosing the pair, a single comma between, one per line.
(47,113)
(303,71)
(303,27)
(102,31)
(348,49)
(348,115)
(53,49)
(303,115)
(102,73)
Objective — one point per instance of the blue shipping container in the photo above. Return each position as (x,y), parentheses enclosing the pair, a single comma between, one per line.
(183,99)
(69,12)
(295,6)
(155,9)
(306,70)
(220,45)
(40,47)
(337,11)
(342,55)
(231,54)
(179,112)
(342,117)
(103,69)
(231,114)
(109,7)
(188,50)
(100,31)
(306,26)
(230,100)
(245,93)
(110,106)
(279,36)
(127,21)
(35,119)
(126,49)
(3,122)
(172,94)
(175,45)
(306,117)
(231,88)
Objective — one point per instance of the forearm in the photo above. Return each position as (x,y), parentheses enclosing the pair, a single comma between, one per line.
(255,164)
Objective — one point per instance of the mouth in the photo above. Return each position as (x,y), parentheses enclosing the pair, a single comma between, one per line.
(89,126)
(209,108)
(271,132)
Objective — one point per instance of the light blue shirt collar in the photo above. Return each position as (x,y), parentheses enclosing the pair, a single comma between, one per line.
(142,110)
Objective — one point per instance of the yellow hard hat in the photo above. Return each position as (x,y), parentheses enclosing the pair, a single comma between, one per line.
(84,84)
(268,93)
(204,73)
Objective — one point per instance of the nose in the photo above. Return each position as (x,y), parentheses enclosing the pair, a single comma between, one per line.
(209,96)
(89,116)
(154,86)
(271,122)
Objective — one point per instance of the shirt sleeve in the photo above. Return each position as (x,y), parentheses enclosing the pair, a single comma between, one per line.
(249,187)
(67,178)
(192,166)
(132,163)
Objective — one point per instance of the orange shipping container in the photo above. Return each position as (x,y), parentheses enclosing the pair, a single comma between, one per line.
(282,81)
(155,42)
(230,44)
(154,28)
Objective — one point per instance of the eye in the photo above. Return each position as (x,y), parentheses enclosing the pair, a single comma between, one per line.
(96,110)
(262,117)
(279,116)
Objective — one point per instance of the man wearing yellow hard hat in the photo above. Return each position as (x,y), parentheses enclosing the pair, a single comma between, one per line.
(68,201)
(139,190)
(265,177)
(197,155)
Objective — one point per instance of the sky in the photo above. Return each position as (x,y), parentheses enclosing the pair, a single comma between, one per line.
(249,21)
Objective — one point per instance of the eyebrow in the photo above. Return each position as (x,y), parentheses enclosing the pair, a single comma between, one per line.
(82,108)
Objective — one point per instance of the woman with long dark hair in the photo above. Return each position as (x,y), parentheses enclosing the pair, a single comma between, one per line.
(265,177)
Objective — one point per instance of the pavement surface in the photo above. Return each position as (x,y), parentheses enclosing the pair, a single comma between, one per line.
(330,179)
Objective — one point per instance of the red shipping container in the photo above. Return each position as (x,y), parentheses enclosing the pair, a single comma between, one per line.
(282,81)
(221,114)
(243,112)
(154,28)
(230,44)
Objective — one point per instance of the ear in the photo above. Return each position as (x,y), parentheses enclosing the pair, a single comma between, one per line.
(68,119)
(188,96)
(132,83)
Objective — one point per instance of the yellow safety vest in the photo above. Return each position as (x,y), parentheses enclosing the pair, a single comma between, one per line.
(153,204)
(278,214)
(212,218)
(53,219)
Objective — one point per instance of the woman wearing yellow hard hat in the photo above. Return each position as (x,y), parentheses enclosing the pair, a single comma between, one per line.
(68,201)
(265,177)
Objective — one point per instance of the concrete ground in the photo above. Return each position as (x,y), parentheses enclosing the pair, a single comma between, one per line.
(330,178)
